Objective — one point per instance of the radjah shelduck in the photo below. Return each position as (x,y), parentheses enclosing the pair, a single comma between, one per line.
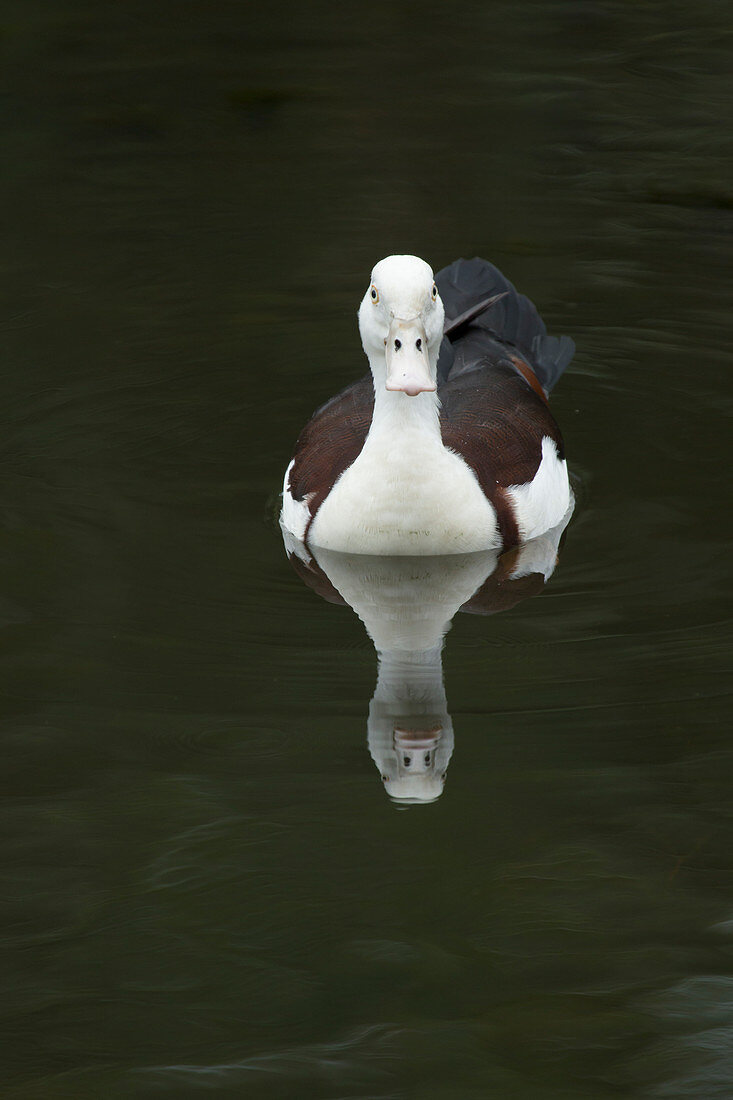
(450,447)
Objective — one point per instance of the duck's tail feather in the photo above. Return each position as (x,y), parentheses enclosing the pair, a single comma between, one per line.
(507,316)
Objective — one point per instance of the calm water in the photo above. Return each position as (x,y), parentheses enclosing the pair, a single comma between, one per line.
(206,889)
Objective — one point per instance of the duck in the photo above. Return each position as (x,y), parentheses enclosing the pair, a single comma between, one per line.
(448,446)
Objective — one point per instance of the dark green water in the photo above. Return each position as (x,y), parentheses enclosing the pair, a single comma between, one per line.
(205,891)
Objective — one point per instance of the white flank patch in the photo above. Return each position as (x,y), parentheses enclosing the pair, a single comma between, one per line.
(295,514)
(540,504)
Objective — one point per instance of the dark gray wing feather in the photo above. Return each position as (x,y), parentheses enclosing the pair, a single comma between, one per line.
(510,320)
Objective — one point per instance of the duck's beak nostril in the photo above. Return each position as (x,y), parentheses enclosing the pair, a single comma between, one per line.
(408,366)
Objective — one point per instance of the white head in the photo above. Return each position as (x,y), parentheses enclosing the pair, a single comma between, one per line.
(401,324)
(411,751)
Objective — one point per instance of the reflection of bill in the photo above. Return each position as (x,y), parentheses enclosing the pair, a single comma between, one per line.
(418,751)
(406,605)
(417,748)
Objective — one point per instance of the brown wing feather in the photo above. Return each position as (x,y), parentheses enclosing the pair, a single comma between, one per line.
(496,422)
(329,443)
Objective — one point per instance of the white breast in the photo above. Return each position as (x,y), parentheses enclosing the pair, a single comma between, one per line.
(427,503)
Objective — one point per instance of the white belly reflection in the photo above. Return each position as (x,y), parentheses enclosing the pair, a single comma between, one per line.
(407,605)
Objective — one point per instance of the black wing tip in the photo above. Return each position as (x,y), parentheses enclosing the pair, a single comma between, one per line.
(512,318)
(551,355)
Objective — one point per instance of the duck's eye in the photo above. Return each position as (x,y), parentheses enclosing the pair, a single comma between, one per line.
(375,294)
(434,292)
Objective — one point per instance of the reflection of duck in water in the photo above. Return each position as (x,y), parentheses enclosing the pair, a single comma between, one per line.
(406,605)
(450,446)
(410,731)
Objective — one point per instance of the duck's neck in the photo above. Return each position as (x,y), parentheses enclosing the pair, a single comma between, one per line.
(411,680)
(395,412)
